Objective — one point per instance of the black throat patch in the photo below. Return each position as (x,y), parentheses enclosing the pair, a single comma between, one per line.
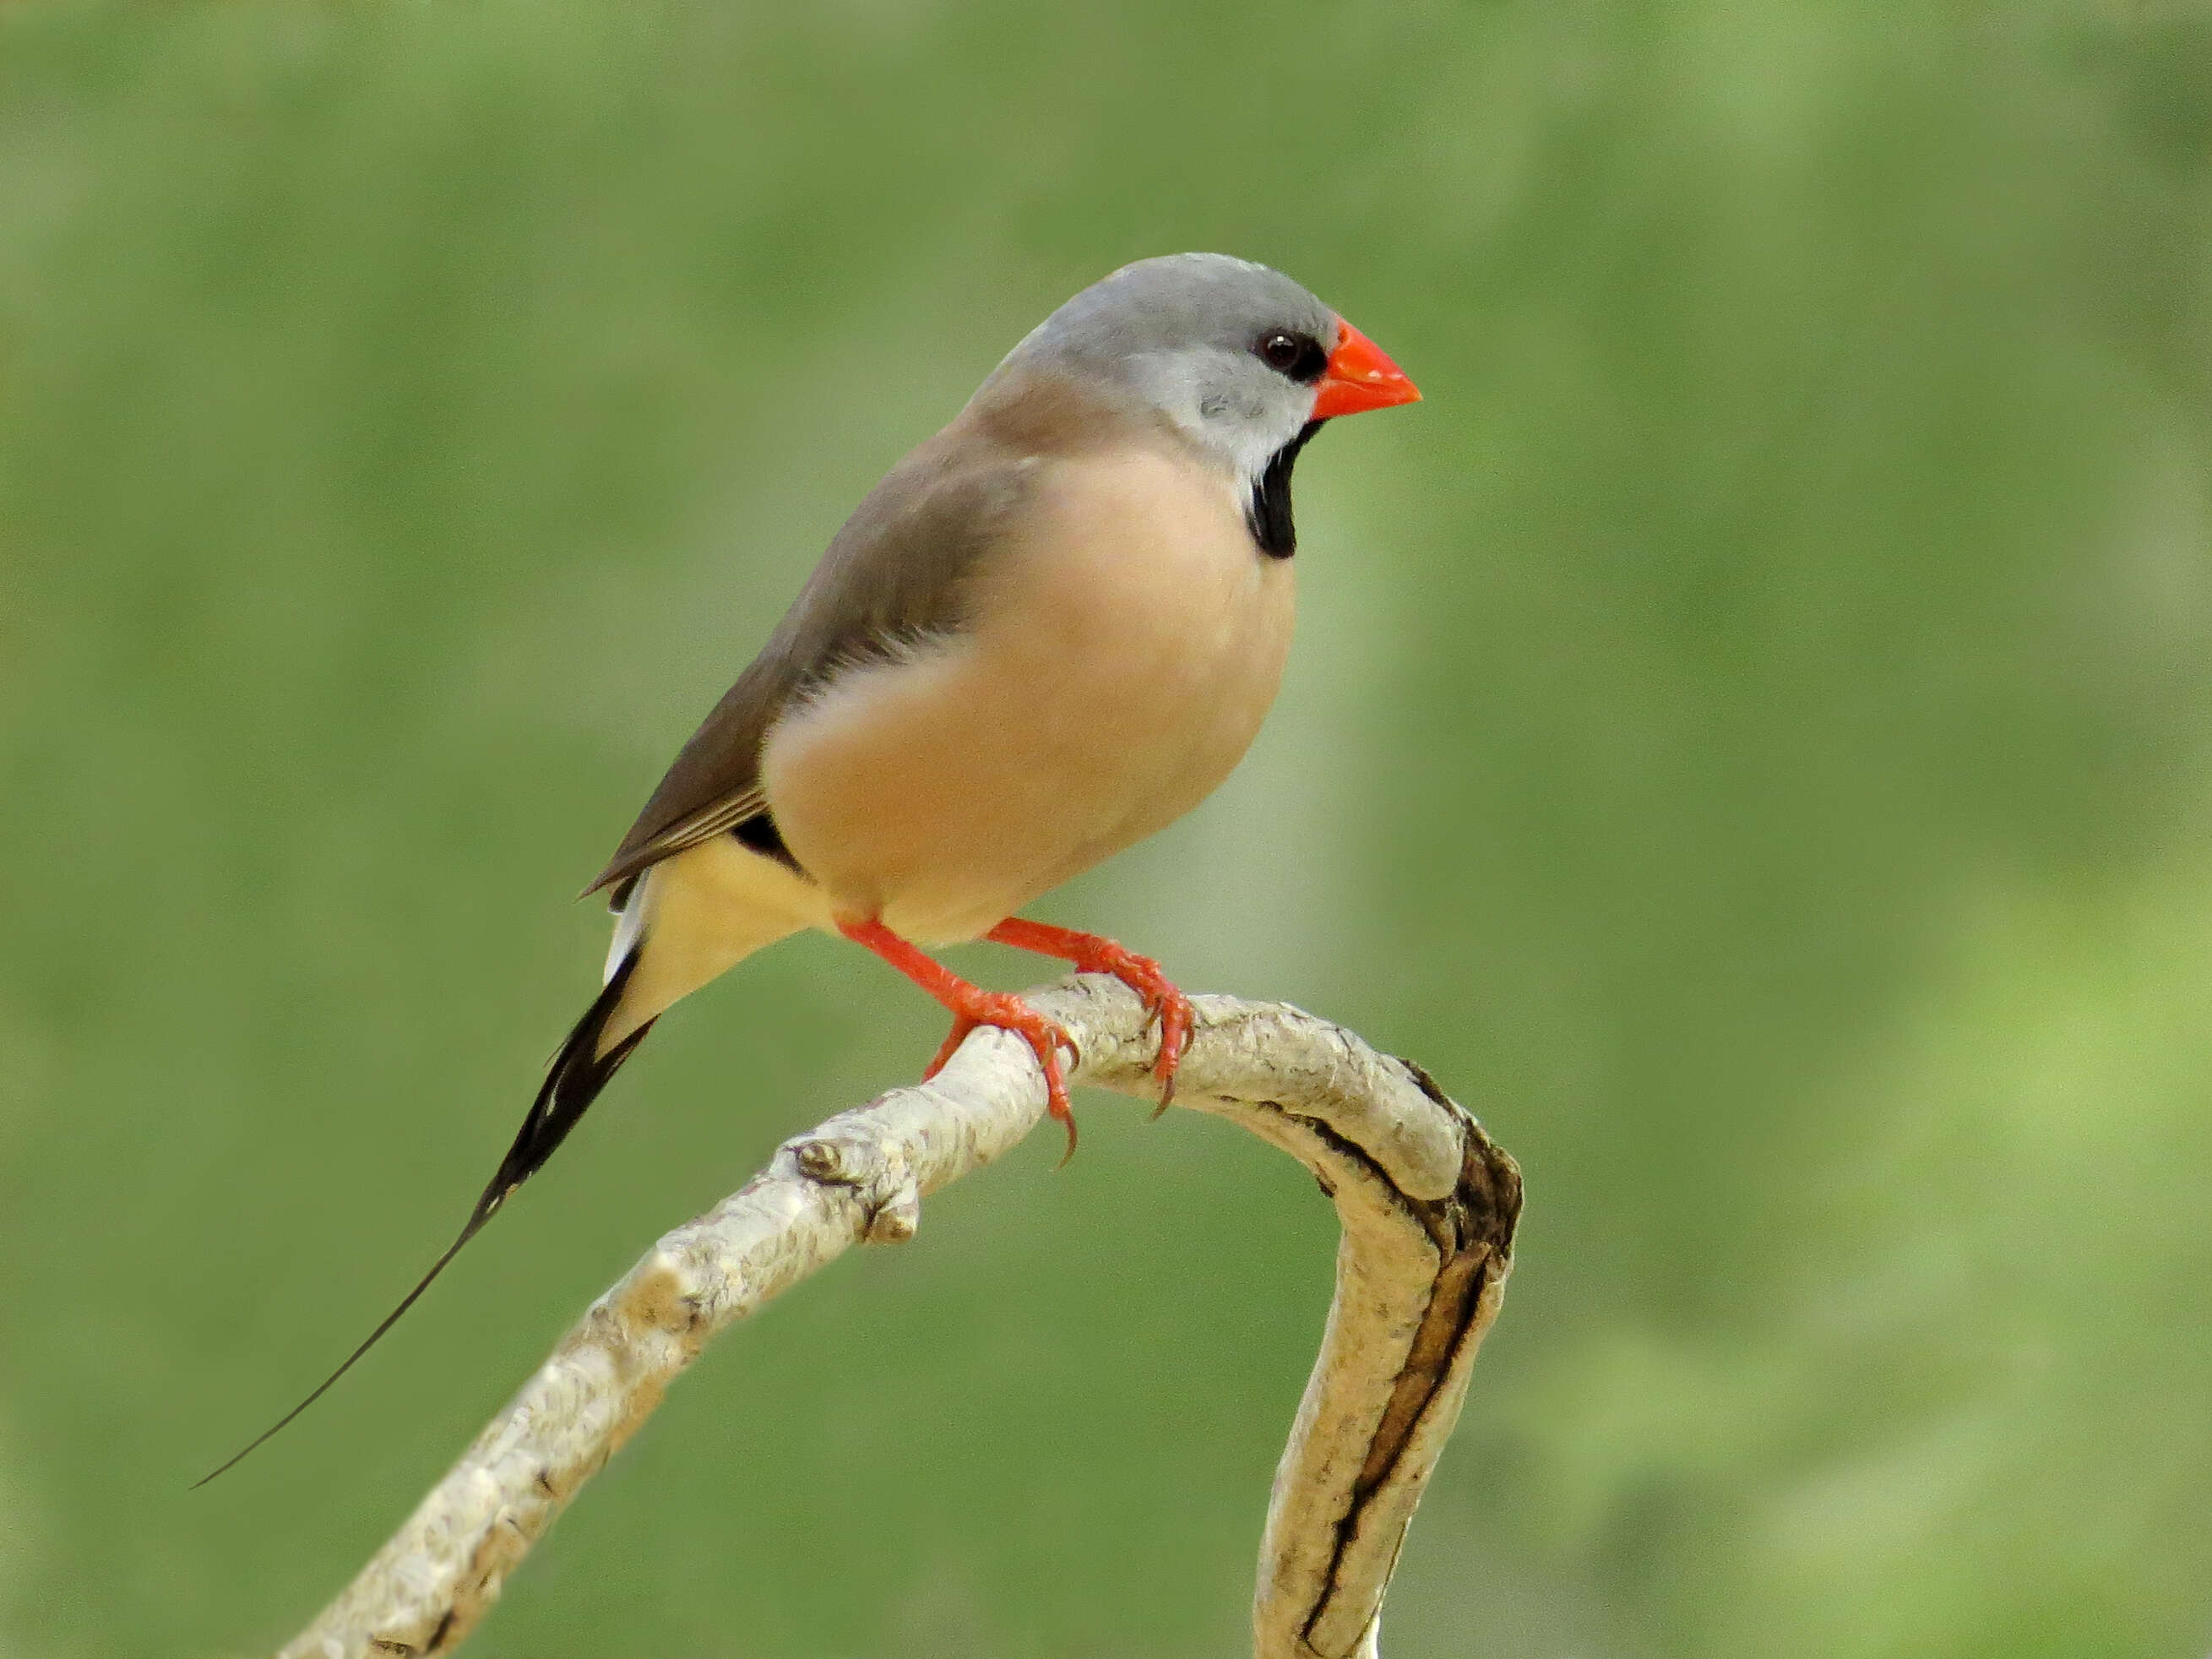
(1268,513)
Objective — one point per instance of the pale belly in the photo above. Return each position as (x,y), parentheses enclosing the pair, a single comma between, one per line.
(1120,665)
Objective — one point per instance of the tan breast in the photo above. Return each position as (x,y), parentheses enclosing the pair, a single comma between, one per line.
(1127,642)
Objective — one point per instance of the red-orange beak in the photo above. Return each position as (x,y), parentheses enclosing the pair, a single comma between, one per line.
(1360,376)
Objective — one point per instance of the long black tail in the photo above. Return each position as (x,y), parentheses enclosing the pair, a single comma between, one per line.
(572,1083)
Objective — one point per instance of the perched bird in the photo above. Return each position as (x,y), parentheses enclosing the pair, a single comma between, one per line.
(1051,629)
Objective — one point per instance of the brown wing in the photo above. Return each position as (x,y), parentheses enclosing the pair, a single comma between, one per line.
(899,568)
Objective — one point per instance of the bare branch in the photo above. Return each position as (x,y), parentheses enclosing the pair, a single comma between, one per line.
(1427,1204)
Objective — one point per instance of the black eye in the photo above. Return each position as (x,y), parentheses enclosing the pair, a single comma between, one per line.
(1298,356)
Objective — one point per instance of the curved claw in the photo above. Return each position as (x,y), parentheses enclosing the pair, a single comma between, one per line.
(1046,1040)
(1171,1012)
(1166,1006)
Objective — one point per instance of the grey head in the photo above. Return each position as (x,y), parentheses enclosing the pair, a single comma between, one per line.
(1231,353)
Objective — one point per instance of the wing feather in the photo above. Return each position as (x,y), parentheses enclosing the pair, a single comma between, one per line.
(900,568)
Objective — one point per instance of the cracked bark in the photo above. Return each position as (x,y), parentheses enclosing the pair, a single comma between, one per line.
(1426,1202)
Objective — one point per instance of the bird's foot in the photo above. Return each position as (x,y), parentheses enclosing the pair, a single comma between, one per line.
(961,1024)
(973,1005)
(1010,1013)
(1168,1007)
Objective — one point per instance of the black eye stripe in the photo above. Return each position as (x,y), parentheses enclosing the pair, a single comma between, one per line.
(1299,357)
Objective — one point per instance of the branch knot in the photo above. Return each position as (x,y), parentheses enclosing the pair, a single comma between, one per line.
(879,1173)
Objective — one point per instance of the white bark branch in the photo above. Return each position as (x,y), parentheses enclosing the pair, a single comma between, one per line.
(1427,1204)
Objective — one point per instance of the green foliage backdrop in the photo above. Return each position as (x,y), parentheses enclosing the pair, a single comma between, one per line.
(1751,736)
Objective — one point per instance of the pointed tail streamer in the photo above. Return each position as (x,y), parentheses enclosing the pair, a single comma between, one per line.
(572,1083)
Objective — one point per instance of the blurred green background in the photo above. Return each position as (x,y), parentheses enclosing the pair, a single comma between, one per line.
(1750,736)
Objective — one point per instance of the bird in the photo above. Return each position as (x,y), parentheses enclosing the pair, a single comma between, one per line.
(1049,631)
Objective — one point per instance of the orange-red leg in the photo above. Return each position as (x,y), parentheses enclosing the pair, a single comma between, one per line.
(1093,955)
(973,1005)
